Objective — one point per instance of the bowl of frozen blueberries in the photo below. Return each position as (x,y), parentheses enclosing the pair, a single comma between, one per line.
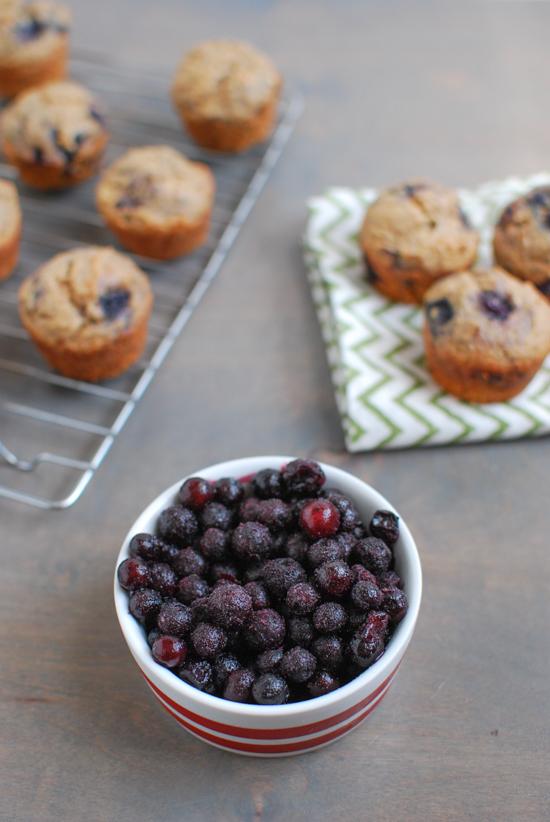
(268,602)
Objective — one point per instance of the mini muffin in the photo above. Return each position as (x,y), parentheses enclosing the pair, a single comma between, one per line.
(157,202)
(10,228)
(87,311)
(414,234)
(55,135)
(522,238)
(486,334)
(34,44)
(226,94)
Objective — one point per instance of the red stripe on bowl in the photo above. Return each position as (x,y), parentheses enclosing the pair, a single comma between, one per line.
(273,733)
(293,747)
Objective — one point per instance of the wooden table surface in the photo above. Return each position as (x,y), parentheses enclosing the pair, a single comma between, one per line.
(456,91)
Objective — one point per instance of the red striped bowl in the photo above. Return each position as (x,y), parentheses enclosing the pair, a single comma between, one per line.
(258,730)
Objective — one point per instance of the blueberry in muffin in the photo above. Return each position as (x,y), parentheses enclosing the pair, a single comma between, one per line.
(414,234)
(34,44)
(522,238)
(486,334)
(54,135)
(87,311)
(157,202)
(226,93)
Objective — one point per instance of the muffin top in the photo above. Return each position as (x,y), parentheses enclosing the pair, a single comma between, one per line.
(522,238)
(156,186)
(420,224)
(54,123)
(10,212)
(224,79)
(84,296)
(29,30)
(488,314)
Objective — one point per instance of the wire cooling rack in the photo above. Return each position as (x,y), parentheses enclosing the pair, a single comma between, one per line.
(56,432)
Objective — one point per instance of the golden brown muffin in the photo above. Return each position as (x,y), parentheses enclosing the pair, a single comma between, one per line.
(157,202)
(55,135)
(226,94)
(10,228)
(522,238)
(486,334)
(412,235)
(87,311)
(34,44)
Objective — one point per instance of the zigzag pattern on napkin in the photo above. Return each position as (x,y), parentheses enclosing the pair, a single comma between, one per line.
(385,396)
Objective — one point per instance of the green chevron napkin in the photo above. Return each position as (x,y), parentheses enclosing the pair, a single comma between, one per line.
(385,395)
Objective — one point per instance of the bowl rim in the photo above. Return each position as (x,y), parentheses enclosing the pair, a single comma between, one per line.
(358,686)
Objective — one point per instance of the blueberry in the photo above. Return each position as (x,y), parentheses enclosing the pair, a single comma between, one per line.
(208,640)
(174,619)
(366,595)
(329,618)
(302,598)
(178,525)
(169,651)
(216,515)
(269,660)
(264,629)
(268,483)
(367,644)
(258,594)
(229,606)
(323,682)
(162,578)
(144,605)
(300,631)
(213,543)
(114,302)
(224,665)
(270,689)
(251,541)
(191,588)
(229,491)
(280,574)
(298,665)
(329,650)
(395,604)
(496,306)
(188,561)
(145,546)
(334,578)
(199,674)
(303,478)
(324,550)
(239,685)
(438,314)
(374,554)
(195,493)
(385,525)
(133,573)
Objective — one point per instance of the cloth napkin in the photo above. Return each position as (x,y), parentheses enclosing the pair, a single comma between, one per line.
(385,395)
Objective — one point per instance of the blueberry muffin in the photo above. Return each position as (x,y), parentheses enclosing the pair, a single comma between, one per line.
(10,228)
(157,202)
(226,94)
(34,44)
(87,311)
(486,334)
(55,135)
(414,234)
(522,238)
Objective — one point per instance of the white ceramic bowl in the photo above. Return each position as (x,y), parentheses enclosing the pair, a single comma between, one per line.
(259,730)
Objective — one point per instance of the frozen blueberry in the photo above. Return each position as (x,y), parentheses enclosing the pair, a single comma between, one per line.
(296,547)
(214,543)
(264,629)
(270,689)
(188,561)
(323,682)
(208,640)
(174,619)
(280,574)
(251,541)
(169,651)
(133,573)
(395,604)
(360,572)
(274,513)
(199,674)
(216,515)
(258,594)
(298,664)
(268,483)
(366,595)
(324,550)
(178,525)
(239,685)
(224,570)
(334,578)
(144,606)
(249,510)
(146,546)
(390,579)
(229,491)
(319,518)
(269,660)
(191,588)
(229,606)
(367,644)
(349,516)
(329,650)
(195,493)
(302,598)
(162,578)
(385,526)
(300,631)
(199,609)
(329,618)
(374,554)
(224,665)
(303,478)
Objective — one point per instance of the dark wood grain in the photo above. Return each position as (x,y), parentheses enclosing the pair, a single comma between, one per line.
(457,91)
